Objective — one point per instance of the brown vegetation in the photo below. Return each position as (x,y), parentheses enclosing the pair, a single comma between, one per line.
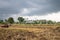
(37,33)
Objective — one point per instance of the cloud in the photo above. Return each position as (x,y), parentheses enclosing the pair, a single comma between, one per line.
(52,16)
(26,11)
(45,7)
(23,12)
(28,7)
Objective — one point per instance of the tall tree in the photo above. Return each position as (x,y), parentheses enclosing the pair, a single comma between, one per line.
(20,19)
(10,20)
(1,21)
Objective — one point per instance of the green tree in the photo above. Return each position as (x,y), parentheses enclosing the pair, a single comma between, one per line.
(1,21)
(50,22)
(20,19)
(10,20)
(35,22)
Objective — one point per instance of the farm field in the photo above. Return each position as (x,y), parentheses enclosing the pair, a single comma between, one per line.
(30,32)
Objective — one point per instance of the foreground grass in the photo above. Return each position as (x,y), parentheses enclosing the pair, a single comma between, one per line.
(30,32)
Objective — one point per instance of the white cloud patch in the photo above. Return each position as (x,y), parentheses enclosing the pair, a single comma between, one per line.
(25,11)
(53,17)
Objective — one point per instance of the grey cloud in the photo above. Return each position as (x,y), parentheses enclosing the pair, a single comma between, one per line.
(11,7)
(47,6)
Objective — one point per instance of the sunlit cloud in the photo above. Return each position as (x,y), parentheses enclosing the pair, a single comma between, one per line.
(53,17)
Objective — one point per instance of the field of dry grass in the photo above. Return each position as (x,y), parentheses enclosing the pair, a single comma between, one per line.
(30,32)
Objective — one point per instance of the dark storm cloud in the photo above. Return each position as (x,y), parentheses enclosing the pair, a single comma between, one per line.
(43,7)
(47,6)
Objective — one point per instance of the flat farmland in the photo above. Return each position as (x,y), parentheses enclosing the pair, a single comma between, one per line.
(30,32)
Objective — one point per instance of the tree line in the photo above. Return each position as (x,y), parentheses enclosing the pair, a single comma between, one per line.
(11,20)
(22,20)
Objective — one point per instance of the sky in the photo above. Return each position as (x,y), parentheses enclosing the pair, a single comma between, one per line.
(31,9)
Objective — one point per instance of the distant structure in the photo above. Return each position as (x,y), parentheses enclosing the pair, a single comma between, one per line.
(5,25)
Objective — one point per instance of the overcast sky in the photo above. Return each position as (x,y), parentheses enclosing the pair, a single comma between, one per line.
(44,9)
